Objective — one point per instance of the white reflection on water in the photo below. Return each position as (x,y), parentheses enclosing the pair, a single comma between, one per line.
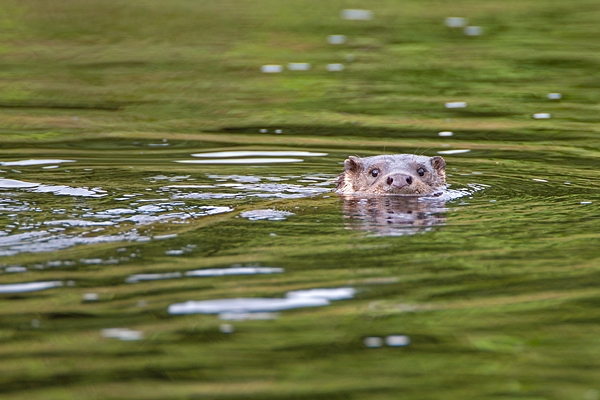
(165,237)
(32,226)
(28,287)
(455,22)
(234,271)
(152,277)
(15,184)
(90,297)
(242,305)
(207,196)
(76,222)
(42,241)
(391,340)
(243,161)
(262,190)
(541,116)
(342,293)
(123,334)
(294,299)
(373,341)
(271,69)
(455,104)
(209,272)
(226,154)
(59,236)
(336,39)
(473,31)
(60,190)
(356,15)
(152,213)
(252,186)
(397,340)
(168,178)
(11,269)
(268,215)
(298,67)
(235,316)
(449,152)
(24,163)
(334,67)
(236,178)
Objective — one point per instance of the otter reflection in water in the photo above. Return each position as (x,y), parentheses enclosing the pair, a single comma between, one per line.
(393,215)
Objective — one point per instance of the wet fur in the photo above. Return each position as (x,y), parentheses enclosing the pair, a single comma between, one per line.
(358,179)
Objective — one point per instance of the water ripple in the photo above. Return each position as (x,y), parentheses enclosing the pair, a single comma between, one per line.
(293,299)
(29,287)
(59,190)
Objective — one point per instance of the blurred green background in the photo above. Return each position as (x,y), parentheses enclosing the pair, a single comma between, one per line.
(187,66)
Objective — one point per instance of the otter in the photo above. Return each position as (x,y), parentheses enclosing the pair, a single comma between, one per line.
(398,174)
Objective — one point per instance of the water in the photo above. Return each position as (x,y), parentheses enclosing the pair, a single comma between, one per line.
(120,263)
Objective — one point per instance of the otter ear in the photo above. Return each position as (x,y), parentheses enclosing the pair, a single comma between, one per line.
(438,163)
(353,164)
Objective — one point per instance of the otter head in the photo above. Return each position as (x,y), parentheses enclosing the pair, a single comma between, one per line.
(405,174)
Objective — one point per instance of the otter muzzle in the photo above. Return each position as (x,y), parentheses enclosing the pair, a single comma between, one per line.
(398,181)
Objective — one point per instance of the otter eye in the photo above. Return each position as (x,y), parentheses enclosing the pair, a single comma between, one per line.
(421,171)
(375,173)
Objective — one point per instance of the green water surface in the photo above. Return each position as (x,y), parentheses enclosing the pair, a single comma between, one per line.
(498,295)
(493,291)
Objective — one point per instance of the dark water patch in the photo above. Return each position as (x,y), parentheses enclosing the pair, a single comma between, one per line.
(153,291)
(583,119)
(17,297)
(52,380)
(23,321)
(201,336)
(108,354)
(64,105)
(559,63)
(340,394)
(110,64)
(41,325)
(68,315)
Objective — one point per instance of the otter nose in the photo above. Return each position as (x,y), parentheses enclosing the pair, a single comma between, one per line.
(399,180)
